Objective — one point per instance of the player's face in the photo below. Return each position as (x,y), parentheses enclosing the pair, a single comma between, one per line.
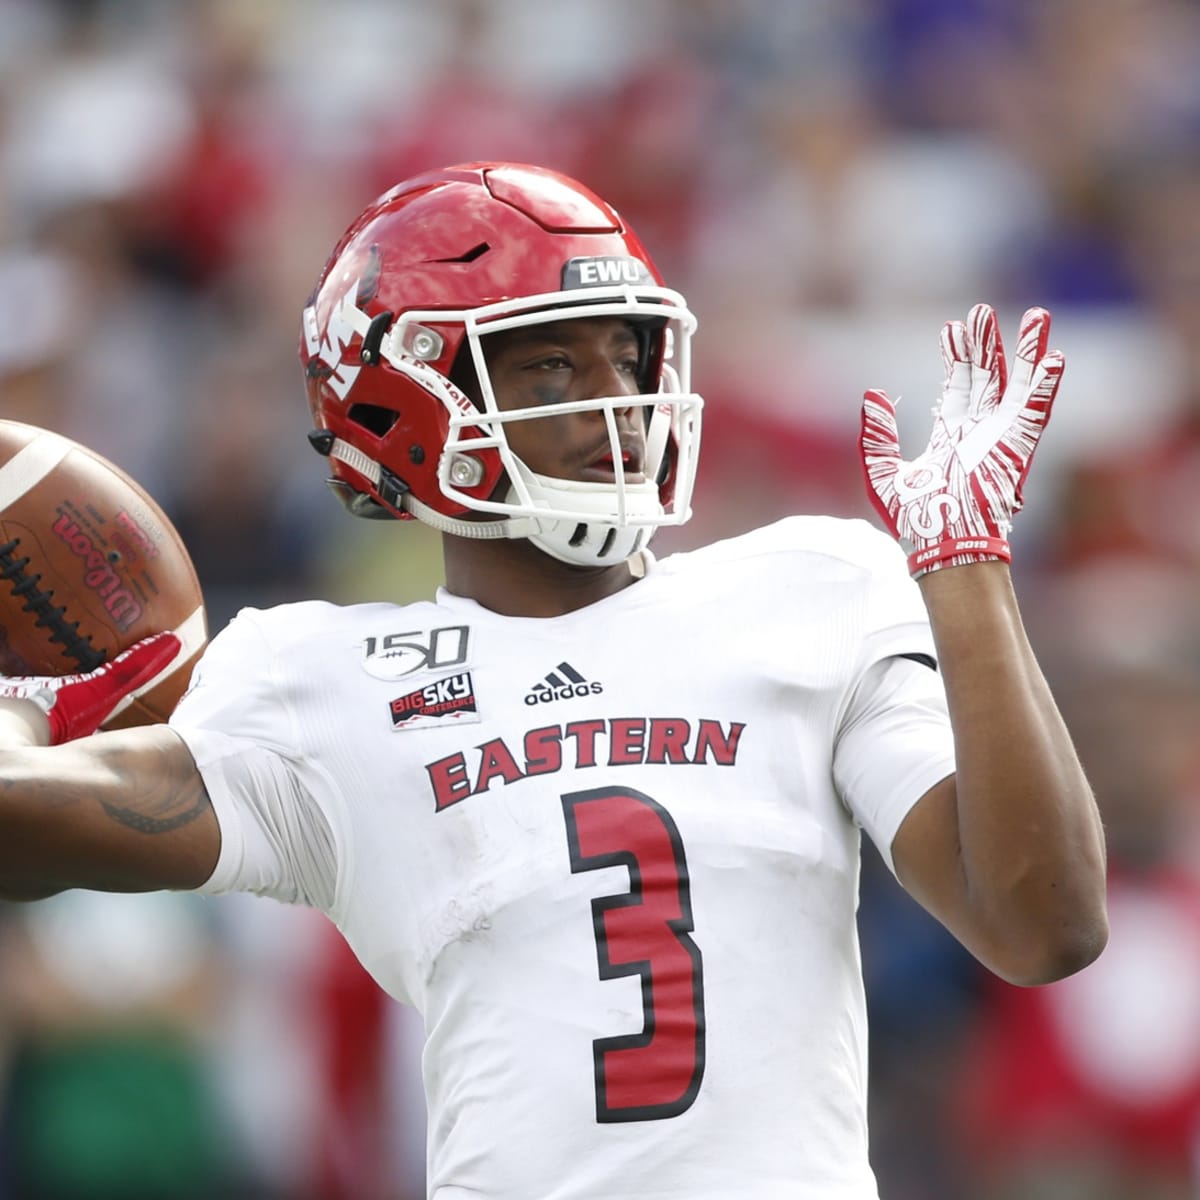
(562,361)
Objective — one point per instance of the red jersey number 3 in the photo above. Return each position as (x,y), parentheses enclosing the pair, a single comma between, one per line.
(645,931)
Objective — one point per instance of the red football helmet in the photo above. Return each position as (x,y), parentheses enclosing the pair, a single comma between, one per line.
(429,269)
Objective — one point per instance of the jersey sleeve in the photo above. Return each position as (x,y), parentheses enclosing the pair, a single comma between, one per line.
(273,809)
(894,743)
(894,740)
(865,569)
(897,621)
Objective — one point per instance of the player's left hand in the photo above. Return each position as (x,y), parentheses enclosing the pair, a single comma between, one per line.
(954,503)
(76,705)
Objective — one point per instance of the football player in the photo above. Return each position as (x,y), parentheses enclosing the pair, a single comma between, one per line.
(596,815)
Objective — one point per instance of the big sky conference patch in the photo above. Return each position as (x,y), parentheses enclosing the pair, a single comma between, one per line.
(450,700)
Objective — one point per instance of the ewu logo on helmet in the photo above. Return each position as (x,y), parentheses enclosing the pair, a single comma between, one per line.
(606,270)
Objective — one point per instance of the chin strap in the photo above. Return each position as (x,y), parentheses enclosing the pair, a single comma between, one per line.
(569,541)
(399,496)
(506,527)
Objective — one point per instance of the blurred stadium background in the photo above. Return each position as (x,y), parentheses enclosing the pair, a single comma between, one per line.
(828,181)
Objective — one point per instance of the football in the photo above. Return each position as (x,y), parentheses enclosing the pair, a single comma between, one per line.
(89,564)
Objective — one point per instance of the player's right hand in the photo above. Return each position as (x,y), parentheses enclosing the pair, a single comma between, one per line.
(76,705)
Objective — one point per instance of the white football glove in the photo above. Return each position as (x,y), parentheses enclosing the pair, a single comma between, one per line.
(77,705)
(954,503)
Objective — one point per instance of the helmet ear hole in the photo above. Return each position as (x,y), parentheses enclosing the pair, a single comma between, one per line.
(373,418)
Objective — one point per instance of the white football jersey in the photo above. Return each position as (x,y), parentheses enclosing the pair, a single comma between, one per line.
(612,857)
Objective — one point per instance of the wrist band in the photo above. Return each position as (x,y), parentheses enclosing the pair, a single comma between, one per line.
(972,549)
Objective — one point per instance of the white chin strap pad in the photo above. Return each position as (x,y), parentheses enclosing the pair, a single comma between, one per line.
(590,544)
(582,542)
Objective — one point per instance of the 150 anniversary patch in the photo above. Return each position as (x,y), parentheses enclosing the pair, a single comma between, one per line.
(395,655)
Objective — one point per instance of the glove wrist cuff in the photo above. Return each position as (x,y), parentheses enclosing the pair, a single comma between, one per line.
(958,552)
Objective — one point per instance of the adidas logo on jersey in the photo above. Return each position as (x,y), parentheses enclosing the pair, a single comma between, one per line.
(563,683)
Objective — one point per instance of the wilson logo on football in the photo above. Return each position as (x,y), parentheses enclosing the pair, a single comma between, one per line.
(445,700)
(122,605)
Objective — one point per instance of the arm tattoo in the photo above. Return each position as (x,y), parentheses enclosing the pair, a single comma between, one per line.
(159,802)
(170,812)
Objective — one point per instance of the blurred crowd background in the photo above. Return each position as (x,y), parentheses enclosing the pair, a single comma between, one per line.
(827,181)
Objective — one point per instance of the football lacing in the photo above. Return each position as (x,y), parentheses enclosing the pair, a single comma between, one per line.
(49,615)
